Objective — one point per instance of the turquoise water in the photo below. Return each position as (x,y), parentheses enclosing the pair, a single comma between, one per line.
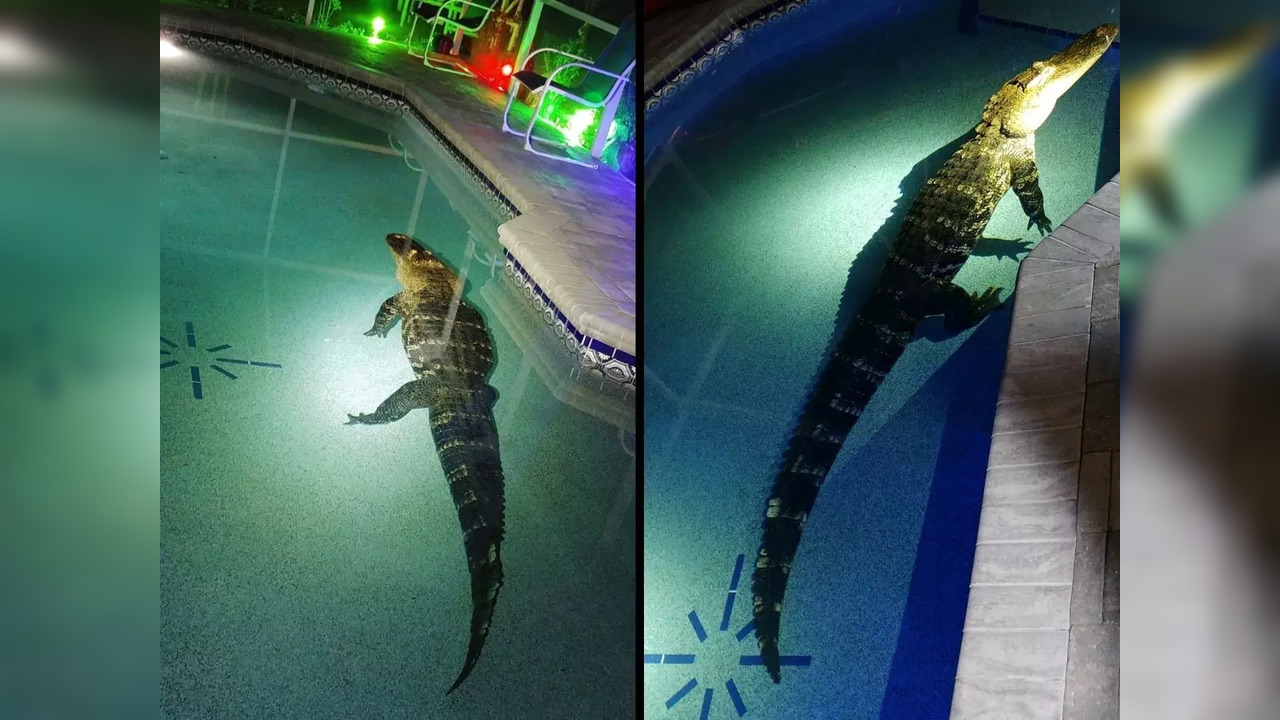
(315,570)
(1219,153)
(758,216)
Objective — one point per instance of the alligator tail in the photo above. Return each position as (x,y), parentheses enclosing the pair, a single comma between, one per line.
(467,442)
(861,359)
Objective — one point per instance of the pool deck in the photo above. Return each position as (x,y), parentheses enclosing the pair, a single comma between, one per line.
(575,233)
(1042,630)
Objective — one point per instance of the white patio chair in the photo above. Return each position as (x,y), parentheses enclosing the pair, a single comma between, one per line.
(462,17)
(601,87)
(407,6)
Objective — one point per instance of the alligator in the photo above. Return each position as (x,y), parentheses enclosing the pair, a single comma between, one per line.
(942,225)
(1155,103)
(451,353)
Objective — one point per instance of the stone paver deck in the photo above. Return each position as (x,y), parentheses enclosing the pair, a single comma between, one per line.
(1042,631)
(575,235)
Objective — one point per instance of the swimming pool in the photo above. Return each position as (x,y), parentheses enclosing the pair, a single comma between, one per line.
(760,211)
(316,570)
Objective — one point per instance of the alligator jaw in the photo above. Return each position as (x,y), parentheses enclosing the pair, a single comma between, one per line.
(401,244)
(416,266)
(1074,61)
(1155,103)
(1024,103)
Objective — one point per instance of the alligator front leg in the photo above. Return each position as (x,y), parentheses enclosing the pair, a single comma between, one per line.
(1154,180)
(1026,185)
(386,318)
(961,308)
(411,396)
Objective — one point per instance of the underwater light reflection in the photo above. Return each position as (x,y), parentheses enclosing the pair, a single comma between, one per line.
(14,52)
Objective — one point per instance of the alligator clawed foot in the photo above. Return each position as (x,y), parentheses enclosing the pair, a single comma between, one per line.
(360,419)
(1040,222)
(980,305)
(986,302)
(374,332)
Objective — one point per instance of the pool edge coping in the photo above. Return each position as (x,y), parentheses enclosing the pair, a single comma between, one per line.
(387,92)
(1042,618)
(712,43)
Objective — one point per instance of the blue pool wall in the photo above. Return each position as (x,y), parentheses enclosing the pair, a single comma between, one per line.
(923,671)
(805,25)
(809,25)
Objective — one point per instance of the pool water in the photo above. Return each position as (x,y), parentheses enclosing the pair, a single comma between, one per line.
(316,570)
(1218,154)
(759,216)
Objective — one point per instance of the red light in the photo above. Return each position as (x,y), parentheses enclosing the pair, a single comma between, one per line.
(506,70)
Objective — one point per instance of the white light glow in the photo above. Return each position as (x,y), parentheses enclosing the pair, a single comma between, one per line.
(14,52)
(168,50)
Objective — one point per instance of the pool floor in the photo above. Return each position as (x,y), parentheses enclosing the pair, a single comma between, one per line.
(316,570)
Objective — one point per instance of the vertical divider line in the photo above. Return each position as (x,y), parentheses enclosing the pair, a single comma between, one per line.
(275,195)
(704,370)
(417,203)
(622,500)
(447,331)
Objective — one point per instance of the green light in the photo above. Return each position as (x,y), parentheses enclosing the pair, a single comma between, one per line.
(577,125)
(378,25)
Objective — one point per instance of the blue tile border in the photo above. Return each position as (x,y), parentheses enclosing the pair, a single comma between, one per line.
(1025,26)
(1037,28)
(593,355)
(717,49)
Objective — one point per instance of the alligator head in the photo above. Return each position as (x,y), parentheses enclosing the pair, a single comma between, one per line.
(416,266)
(1157,101)
(1025,102)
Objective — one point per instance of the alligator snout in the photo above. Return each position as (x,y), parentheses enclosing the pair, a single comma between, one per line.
(399,243)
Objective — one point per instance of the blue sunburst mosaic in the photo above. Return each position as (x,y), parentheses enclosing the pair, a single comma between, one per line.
(706,665)
(190,356)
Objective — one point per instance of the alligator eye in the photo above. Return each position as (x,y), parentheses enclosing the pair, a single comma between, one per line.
(1046,72)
